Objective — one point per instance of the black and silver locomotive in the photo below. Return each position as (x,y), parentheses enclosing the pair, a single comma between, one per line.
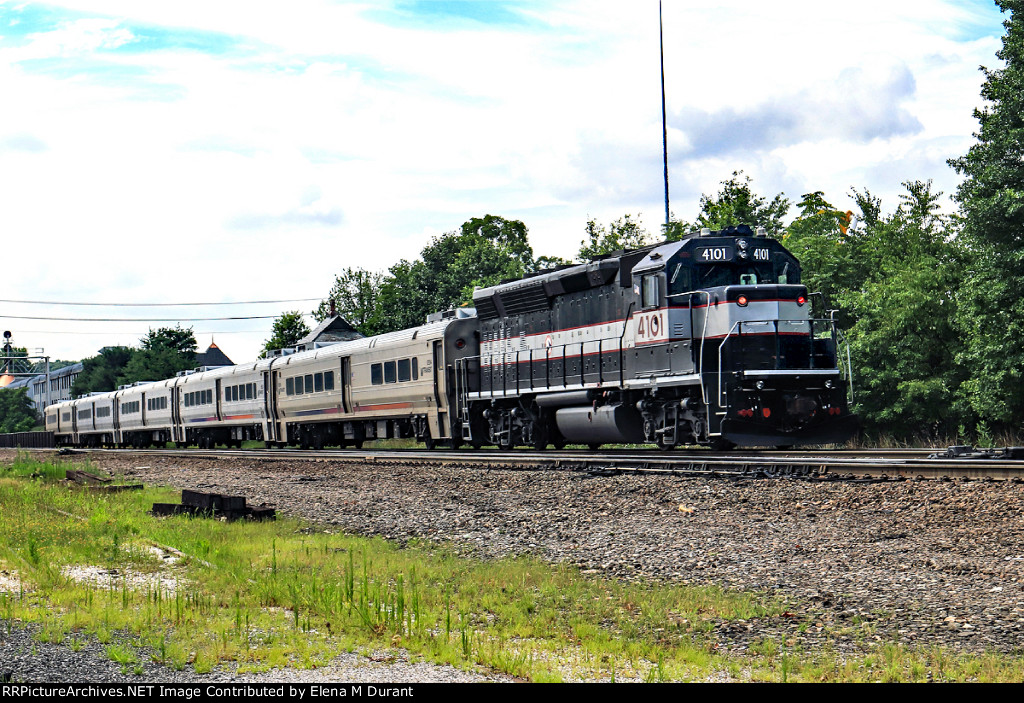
(707,340)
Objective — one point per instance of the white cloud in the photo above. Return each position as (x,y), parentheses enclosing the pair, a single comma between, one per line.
(234,151)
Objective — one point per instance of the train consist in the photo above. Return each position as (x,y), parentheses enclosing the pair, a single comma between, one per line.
(707,340)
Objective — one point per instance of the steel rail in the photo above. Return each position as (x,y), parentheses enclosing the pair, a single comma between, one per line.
(871,464)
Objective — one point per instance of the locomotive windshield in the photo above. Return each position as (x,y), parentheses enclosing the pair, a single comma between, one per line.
(782,269)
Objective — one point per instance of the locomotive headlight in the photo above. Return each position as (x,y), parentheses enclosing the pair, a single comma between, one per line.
(759,385)
(829,384)
(742,254)
(742,244)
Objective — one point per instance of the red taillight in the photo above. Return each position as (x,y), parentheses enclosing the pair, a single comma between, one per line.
(742,301)
(767,412)
(801,300)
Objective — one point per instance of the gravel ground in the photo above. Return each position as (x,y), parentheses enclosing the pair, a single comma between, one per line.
(26,660)
(920,562)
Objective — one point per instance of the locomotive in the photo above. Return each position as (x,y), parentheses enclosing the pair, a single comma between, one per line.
(707,340)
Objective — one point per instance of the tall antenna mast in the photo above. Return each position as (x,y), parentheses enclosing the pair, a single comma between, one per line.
(664,124)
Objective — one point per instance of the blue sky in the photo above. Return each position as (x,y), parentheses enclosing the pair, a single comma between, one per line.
(237,151)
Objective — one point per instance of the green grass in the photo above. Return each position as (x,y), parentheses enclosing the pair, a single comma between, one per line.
(262,595)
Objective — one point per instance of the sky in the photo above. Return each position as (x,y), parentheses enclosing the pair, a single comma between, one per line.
(227,152)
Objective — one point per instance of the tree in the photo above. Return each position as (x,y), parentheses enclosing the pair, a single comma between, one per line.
(483,252)
(287,331)
(543,263)
(18,364)
(991,199)
(832,260)
(100,373)
(354,294)
(737,204)
(16,413)
(904,342)
(622,234)
(164,353)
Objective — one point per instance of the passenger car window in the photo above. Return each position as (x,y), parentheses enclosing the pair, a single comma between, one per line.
(328,380)
(318,382)
(376,374)
(389,372)
(309,383)
(404,373)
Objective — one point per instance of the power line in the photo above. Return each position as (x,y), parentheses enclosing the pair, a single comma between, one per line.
(140,319)
(105,333)
(157,305)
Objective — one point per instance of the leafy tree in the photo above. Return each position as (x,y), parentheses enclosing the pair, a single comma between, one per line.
(991,198)
(543,263)
(624,233)
(16,413)
(100,373)
(483,252)
(903,339)
(832,261)
(737,204)
(287,331)
(354,294)
(164,353)
(17,365)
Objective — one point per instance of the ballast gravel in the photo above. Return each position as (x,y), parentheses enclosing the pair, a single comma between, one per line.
(925,563)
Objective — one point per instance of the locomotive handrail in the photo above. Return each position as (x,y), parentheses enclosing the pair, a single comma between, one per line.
(849,364)
(703,334)
(739,324)
(507,360)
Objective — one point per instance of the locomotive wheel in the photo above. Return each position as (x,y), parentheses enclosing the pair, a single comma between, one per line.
(540,438)
(660,442)
(428,442)
(593,446)
(721,445)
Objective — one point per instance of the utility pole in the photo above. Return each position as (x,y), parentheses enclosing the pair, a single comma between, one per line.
(664,122)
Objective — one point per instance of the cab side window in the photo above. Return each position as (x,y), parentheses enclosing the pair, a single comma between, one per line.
(649,291)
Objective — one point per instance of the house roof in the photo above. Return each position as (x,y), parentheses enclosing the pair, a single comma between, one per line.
(332,329)
(213,356)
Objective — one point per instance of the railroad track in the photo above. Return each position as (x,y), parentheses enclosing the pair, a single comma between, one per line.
(879,465)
